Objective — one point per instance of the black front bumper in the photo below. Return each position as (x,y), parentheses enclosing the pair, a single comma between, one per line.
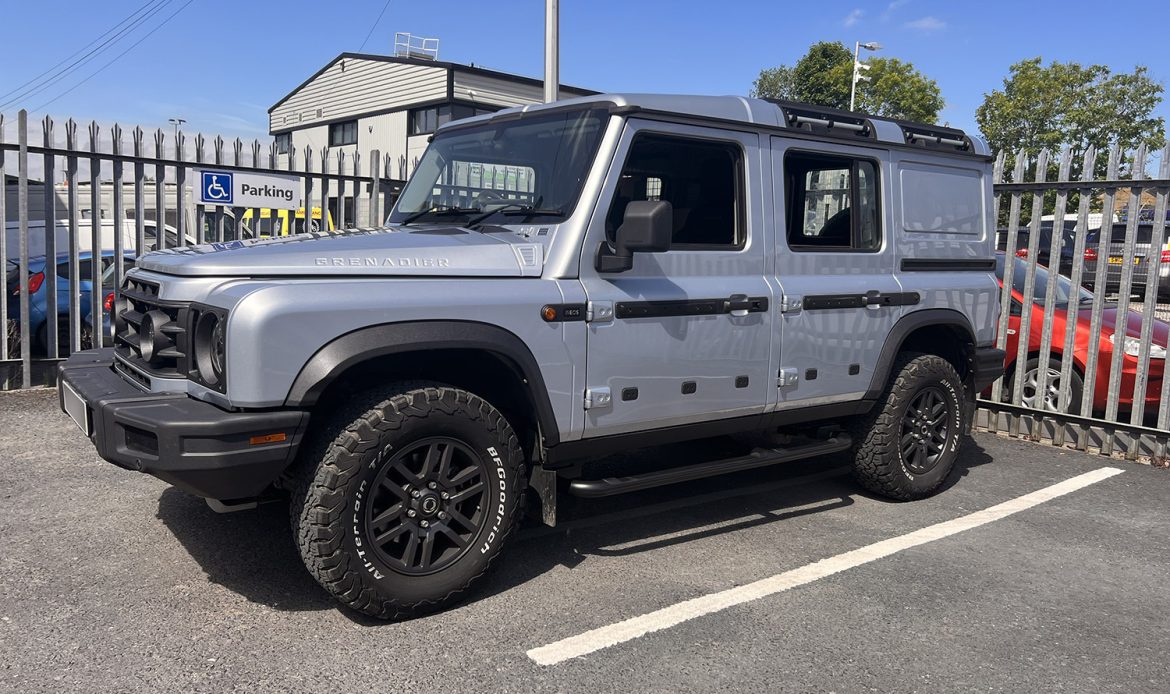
(986,366)
(189,443)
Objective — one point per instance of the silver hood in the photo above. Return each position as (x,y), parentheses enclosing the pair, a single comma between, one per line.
(398,251)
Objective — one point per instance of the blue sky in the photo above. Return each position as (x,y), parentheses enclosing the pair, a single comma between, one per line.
(220,64)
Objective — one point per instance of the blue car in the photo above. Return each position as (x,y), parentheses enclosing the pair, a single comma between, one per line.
(38,320)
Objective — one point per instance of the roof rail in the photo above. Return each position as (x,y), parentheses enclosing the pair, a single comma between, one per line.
(825,121)
(935,137)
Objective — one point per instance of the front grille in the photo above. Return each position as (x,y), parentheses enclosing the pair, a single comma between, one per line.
(166,330)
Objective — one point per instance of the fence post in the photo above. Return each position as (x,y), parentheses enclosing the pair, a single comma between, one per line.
(22,216)
(49,200)
(73,145)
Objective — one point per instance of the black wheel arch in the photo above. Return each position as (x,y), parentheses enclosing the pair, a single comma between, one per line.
(428,341)
(945,332)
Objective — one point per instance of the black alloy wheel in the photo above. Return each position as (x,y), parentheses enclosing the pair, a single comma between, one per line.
(925,430)
(427,506)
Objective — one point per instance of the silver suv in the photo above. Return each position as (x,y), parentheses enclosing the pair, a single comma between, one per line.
(557,283)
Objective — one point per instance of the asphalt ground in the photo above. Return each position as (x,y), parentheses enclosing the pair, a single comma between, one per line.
(111,581)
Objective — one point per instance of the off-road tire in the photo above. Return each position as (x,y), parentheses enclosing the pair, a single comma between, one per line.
(880,464)
(344,467)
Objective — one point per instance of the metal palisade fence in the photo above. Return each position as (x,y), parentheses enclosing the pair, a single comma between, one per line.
(77,212)
(1083,236)
(1085,266)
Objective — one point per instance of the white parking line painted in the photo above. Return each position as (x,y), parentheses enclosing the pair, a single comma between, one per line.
(621,632)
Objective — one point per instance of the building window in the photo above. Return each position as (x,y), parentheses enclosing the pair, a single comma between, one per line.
(343,133)
(283,143)
(702,180)
(423,121)
(832,203)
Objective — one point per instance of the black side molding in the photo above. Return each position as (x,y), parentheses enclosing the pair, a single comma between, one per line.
(690,307)
(822,302)
(948,264)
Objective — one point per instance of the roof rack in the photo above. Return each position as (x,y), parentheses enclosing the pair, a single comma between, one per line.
(825,121)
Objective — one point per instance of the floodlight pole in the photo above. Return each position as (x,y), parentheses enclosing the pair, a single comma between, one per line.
(858,66)
(552,79)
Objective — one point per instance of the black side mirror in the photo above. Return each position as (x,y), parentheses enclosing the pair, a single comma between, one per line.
(647,227)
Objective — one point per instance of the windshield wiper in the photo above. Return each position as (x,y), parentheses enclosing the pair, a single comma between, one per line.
(439,211)
(515,209)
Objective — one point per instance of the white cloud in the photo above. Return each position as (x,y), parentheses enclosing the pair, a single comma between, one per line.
(927,24)
(893,7)
(853,18)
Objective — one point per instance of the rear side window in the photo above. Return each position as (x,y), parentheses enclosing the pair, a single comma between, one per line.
(832,203)
(701,179)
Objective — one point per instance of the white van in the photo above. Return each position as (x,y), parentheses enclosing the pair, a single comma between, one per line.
(107,228)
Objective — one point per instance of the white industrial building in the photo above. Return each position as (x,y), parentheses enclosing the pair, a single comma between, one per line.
(360,102)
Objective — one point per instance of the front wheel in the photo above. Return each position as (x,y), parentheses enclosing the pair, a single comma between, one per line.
(406,502)
(906,446)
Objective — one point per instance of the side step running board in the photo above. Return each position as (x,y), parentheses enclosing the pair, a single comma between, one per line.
(760,457)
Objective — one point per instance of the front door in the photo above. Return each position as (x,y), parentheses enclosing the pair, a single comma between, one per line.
(685,335)
(835,267)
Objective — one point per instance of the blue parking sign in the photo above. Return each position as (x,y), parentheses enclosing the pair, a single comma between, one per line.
(216,188)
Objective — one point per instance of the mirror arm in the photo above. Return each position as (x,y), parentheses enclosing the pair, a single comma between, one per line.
(610,260)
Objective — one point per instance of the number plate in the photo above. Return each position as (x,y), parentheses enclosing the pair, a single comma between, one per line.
(75,407)
(1118,260)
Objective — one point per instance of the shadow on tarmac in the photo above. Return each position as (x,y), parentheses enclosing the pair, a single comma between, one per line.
(253,553)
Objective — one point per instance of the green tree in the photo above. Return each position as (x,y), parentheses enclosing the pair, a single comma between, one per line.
(823,76)
(776,83)
(1067,103)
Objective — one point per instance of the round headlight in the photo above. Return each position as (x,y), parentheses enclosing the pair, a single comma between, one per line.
(210,347)
(151,339)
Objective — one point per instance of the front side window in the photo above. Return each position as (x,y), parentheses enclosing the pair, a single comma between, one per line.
(701,179)
(832,203)
(531,168)
(343,133)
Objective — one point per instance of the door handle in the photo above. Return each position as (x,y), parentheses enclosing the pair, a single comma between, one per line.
(740,305)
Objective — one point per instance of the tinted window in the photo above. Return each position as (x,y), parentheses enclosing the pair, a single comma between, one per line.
(84,268)
(832,202)
(1064,286)
(343,133)
(700,179)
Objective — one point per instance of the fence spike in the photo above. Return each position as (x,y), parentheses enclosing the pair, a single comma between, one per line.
(137,135)
(199,147)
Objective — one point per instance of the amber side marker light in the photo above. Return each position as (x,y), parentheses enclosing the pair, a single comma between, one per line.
(548,313)
(268,438)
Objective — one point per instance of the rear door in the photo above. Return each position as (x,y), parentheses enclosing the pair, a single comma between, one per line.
(835,267)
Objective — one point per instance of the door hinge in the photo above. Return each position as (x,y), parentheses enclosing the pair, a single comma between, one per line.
(787,377)
(596,398)
(599,311)
(791,304)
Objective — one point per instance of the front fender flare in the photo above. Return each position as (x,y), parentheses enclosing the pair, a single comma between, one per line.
(351,349)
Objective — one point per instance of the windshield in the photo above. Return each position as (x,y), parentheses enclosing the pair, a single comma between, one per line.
(1064,286)
(533,166)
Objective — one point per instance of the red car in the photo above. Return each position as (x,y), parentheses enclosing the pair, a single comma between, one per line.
(1066,397)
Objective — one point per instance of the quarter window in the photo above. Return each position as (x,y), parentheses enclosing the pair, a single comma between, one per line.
(832,203)
(343,133)
(701,179)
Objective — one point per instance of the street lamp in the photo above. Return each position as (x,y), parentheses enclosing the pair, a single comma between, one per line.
(179,121)
(858,66)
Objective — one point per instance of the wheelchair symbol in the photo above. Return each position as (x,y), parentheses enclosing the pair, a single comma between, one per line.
(217,187)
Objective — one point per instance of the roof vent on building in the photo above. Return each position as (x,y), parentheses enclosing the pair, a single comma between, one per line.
(407,45)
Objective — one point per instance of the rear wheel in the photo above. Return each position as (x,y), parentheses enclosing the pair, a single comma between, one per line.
(408,498)
(906,446)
